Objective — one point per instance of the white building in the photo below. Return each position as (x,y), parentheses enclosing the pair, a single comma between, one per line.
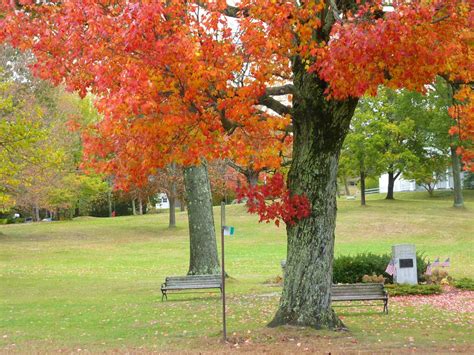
(162,202)
(410,185)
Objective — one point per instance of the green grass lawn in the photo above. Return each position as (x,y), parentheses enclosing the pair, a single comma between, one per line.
(93,284)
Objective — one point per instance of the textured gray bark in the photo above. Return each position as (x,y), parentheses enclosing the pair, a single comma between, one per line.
(252,177)
(109,199)
(172,219)
(362,188)
(134,208)
(458,196)
(320,127)
(346,186)
(172,194)
(36,213)
(391,184)
(203,246)
(140,206)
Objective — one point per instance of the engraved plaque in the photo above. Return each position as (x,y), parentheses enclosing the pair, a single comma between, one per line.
(404,263)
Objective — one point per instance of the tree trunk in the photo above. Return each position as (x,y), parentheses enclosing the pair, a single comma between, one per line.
(172,195)
(172,219)
(346,186)
(140,206)
(172,201)
(134,208)
(458,196)
(203,246)
(391,183)
(362,188)
(36,213)
(252,177)
(182,204)
(109,199)
(430,188)
(320,127)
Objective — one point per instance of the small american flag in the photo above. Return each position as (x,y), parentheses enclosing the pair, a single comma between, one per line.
(428,269)
(446,263)
(435,263)
(391,270)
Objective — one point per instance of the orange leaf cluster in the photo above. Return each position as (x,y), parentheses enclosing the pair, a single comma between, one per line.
(178,81)
(463,113)
(405,48)
(170,81)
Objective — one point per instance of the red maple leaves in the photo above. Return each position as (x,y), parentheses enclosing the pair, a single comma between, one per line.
(176,81)
(273,202)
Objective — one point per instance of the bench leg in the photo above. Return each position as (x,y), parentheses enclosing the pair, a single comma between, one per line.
(163,296)
(385,307)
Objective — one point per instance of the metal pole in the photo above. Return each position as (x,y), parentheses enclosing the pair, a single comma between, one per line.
(224,328)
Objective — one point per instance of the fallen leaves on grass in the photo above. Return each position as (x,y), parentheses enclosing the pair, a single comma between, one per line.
(452,300)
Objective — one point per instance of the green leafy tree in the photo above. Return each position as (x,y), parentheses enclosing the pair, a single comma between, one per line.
(20,131)
(383,137)
(39,154)
(433,146)
(362,151)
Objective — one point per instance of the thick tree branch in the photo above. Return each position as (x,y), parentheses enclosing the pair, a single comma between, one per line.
(274,105)
(455,82)
(335,11)
(236,167)
(230,11)
(280,90)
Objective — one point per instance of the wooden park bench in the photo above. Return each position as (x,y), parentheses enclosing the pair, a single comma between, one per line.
(360,292)
(190,282)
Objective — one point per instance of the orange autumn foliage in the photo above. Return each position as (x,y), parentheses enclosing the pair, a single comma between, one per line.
(178,81)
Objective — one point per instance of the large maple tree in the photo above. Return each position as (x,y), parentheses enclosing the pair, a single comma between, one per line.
(180,81)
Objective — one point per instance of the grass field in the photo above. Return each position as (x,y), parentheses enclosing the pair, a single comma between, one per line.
(93,284)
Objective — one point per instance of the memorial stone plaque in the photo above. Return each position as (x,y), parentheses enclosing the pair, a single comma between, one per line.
(404,256)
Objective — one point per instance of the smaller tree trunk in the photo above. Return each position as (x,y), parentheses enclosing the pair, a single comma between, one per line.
(362,188)
(172,200)
(37,213)
(430,189)
(182,204)
(391,183)
(346,186)
(172,221)
(458,196)
(140,206)
(109,199)
(134,208)
(252,177)
(203,246)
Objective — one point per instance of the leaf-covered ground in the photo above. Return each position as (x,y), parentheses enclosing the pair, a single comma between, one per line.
(93,284)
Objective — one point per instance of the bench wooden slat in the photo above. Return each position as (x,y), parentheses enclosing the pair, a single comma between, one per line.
(357,298)
(194,277)
(190,282)
(188,288)
(192,285)
(360,292)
